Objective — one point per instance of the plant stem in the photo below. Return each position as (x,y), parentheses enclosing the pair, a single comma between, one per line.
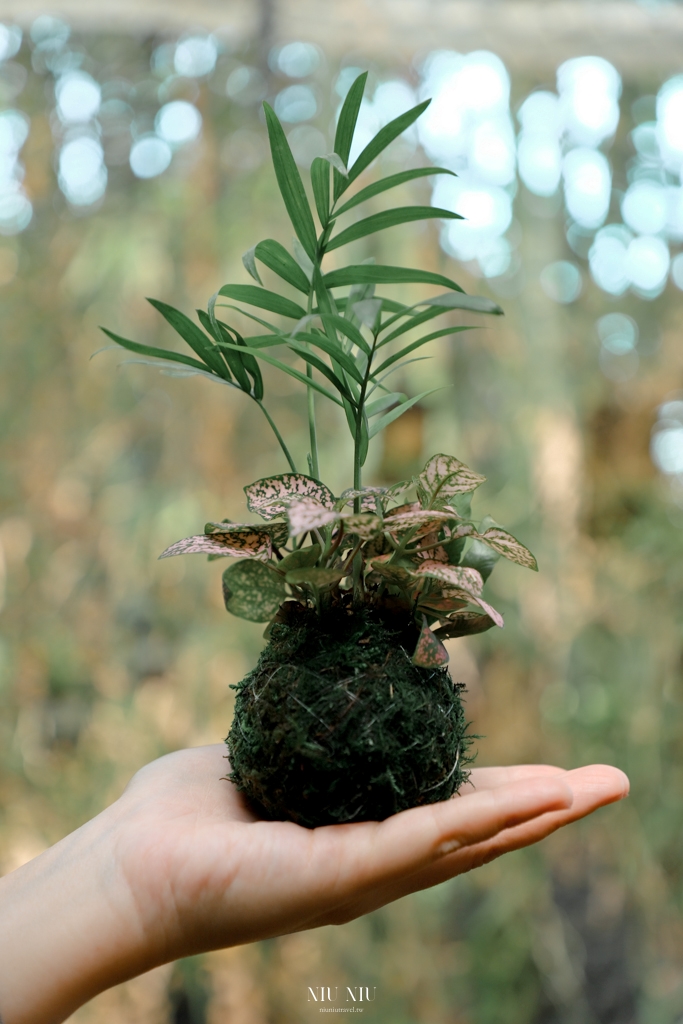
(278,435)
(310,394)
(357,468)
(312,431)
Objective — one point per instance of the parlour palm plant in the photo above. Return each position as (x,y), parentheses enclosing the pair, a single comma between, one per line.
(350,713)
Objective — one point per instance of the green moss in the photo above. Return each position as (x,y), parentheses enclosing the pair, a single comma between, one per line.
(336,724)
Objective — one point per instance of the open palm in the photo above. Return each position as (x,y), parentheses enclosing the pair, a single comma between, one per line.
(205,872)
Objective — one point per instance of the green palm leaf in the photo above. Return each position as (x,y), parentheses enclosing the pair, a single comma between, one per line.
(346,126)
(386,183)
(290,183)
(388,219)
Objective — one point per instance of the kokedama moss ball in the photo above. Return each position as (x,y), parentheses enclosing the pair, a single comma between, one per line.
(336,723)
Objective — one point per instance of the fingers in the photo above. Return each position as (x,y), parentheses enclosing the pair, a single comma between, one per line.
(351,860)
(489,778)
(592,787)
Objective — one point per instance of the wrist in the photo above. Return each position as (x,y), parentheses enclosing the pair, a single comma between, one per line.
(68,927)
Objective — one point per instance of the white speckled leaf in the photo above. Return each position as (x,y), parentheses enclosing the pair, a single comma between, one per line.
(467,585)
(365,526)
(508,546)
(457,576)
(307,514)
(444,476)
(425,519)
(271,496)
(278,532)
(250,542)
(368,496)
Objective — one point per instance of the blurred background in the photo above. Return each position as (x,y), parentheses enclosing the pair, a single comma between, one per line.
(133,162)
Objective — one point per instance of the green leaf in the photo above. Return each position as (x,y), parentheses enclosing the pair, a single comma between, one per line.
(394,574)
(378,406)
(332,348)
(386,183)
(429,651)
(263,299)
(509,547)
(314,578)
(249,263)
(251,366)
(276,258)
(364,439)
(336,161)
(194,337)
(365,273)
(306,354)
(221,333)
(303,259)
(252,590)
(473,303)
(443,333)
(411,321)
(480,557)
(347,328)
(156,353)
(320,180)
(301,559)
(346,127)
(292,372)
(383,138)
(443,477)
(388,219)
(270,496)
(389,417)
(290,183)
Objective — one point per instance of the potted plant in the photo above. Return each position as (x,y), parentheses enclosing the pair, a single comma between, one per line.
(350,713)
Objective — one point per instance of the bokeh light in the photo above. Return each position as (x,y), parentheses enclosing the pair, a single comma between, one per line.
(195,56)
(82,172)
(670,123)
(677,270)
(587,186)
(10,41)
(16,209)
(589,89)
(296,103)
(607,258)
(178,122)
(245,85)
(645,207)
(78,97)
(150,156)
(296,60)
(647,264)
(561,281)
(618,333)
(539,154)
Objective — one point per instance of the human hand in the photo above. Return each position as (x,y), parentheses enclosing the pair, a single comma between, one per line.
(180,865)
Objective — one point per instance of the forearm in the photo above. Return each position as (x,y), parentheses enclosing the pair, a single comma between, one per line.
(67,928)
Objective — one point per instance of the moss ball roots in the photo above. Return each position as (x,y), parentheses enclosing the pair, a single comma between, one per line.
(336,724)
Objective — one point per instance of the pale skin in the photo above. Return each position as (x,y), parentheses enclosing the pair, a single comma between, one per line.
(179,865)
